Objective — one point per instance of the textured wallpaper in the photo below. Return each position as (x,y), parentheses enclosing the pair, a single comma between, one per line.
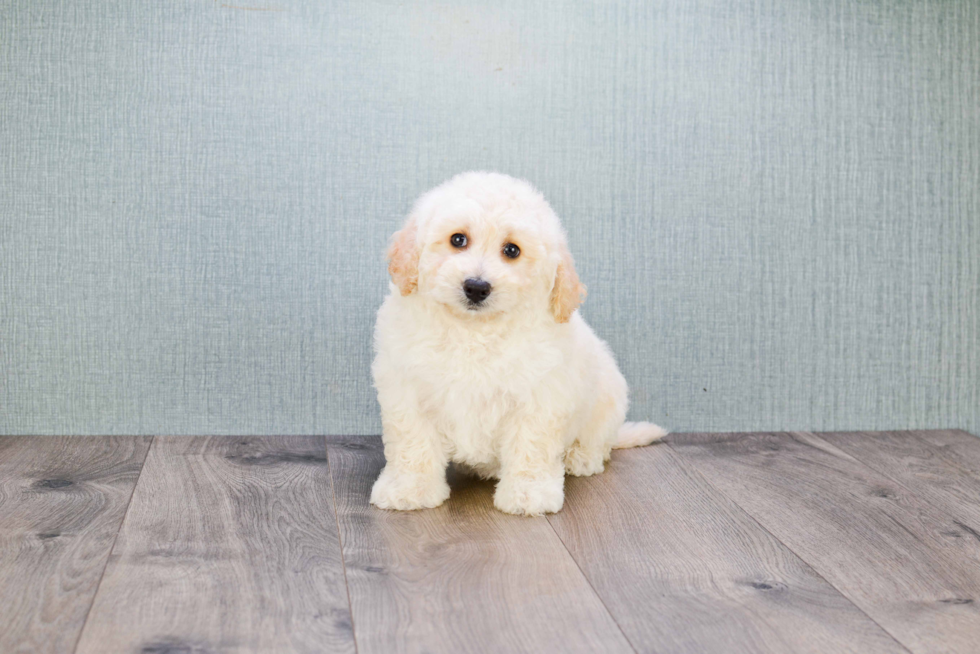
(775,204)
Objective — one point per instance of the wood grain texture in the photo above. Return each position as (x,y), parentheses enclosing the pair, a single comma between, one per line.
(955,446)
(894,555)
(459,578)
(62,500)
(683,569)
(230,545)
(917,460)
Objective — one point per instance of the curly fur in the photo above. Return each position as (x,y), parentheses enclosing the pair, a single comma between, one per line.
(518,388)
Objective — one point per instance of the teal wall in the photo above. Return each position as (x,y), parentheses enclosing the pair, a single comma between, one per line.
(775,204)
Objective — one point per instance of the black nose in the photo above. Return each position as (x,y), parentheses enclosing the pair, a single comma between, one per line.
(476,290)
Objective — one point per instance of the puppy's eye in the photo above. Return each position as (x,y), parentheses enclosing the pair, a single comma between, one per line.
(511,251)
(458,240)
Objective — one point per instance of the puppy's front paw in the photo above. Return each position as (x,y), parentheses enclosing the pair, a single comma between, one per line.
(405,491)
(525,496)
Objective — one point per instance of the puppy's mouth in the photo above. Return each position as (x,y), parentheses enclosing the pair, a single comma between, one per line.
(480,307)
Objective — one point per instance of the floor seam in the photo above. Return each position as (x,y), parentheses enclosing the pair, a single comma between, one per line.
(692,467)
(115,537)
(589,582)
(952,462)
(340,542)
(898,482)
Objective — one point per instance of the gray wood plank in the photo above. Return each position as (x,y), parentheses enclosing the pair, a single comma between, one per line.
(884,548)
(957,446)
(463,577)
(934,473)
(230,545)
(62,500)
(683,569)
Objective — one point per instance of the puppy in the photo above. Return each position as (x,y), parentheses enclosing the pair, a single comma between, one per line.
(482,358)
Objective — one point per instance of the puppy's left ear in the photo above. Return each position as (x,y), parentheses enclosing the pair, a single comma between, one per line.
(403,258)
(568,292)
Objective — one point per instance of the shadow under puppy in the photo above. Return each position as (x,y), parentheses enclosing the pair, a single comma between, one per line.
(482,358)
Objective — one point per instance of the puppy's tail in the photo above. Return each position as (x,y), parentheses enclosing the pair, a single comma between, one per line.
(638,434)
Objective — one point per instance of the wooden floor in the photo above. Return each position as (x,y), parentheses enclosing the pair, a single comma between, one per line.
(843,542)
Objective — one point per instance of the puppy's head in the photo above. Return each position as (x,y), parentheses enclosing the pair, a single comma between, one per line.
(484,245)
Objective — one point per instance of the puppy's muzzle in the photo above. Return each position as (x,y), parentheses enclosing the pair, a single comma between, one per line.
(476,290)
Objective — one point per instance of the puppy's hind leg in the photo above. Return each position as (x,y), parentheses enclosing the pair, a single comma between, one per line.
(590,451)
(414,476)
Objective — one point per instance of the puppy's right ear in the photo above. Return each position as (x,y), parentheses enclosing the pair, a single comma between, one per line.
(403,258)
(568,292)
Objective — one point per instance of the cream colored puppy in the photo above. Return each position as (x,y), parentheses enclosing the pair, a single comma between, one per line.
(482,359)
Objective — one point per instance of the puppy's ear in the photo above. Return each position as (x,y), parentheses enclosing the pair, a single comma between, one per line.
(403,258)
(568,292)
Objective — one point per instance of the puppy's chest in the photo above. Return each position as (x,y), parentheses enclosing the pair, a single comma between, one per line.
(474,387)
(481,369)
